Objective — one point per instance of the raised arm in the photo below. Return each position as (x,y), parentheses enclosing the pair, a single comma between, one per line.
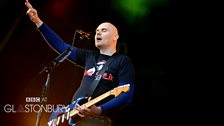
(52,39)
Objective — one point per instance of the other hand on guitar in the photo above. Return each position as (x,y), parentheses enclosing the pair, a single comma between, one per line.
(91,111)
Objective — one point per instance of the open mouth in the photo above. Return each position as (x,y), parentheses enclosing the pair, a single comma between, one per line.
(98,38)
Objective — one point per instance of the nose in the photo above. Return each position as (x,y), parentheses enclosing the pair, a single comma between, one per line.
(98,33)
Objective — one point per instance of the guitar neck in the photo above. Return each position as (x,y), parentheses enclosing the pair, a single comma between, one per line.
(91,102)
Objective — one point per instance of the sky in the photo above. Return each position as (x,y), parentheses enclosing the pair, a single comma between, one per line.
(161,38)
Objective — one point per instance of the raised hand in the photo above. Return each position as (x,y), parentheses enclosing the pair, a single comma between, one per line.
(32,13)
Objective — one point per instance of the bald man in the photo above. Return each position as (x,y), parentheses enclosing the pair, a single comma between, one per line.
(120,72)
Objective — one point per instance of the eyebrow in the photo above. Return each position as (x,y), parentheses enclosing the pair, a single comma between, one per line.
(102,29)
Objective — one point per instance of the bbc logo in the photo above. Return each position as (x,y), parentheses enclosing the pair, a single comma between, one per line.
(32,99)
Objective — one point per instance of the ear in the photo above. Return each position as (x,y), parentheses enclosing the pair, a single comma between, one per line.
(116,37)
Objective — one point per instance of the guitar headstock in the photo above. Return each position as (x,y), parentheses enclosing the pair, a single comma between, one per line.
(118,90)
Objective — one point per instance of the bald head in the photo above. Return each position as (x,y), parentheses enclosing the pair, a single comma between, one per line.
(110,27)
(106,36)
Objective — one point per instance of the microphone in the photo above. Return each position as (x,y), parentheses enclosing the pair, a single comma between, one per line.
(83,34)
(59,59)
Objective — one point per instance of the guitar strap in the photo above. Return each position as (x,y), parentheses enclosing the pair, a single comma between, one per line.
(99,75)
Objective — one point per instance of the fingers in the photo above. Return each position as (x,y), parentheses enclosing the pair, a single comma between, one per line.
(80,109)
(81,115)
(32,14)
(31,11)
(83,111)
(28,5)
(28,11)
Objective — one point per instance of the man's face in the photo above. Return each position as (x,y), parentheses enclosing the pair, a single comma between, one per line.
(104,36)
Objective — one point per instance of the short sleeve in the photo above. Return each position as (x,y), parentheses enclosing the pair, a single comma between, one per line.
(126,72)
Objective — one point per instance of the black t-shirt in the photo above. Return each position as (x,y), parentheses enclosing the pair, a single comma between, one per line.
(120,70)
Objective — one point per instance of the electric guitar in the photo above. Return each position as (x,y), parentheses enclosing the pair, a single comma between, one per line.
(59,116)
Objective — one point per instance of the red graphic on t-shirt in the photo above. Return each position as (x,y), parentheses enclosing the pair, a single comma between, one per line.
(91,71)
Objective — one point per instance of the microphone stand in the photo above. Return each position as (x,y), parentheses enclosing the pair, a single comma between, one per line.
(48,69)
(44,96)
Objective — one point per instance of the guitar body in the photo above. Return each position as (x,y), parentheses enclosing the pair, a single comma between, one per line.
(59,111)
